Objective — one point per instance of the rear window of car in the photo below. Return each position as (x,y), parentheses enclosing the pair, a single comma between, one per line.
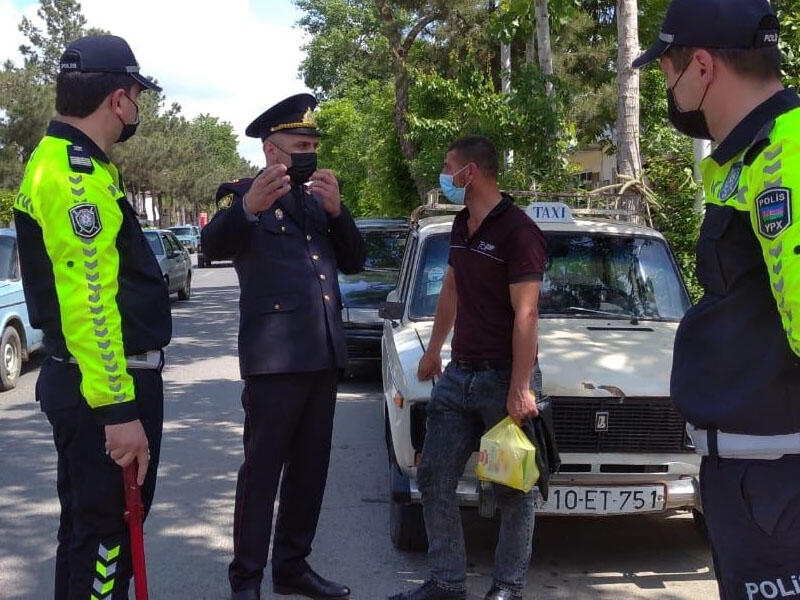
(154,239)
(181,230)
(384,249)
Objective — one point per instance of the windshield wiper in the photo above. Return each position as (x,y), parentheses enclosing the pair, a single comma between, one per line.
(605,313)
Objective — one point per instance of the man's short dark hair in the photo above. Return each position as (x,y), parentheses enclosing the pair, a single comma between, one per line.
(479,150)
(79,94)
(761,64)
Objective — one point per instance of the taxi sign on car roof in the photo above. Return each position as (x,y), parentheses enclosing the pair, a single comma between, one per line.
(549,212)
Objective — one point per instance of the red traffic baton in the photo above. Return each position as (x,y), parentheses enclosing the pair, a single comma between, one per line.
(134,517)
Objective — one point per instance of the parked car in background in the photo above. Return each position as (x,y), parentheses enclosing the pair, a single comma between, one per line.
(18,339)
(610,302)
(174,260)
(363,292)
(188,235)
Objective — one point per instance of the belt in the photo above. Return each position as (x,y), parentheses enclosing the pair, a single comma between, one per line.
(481,364)
(740,445)
(152,359)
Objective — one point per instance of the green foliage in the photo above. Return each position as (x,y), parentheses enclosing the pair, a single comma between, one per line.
(668,169)
(7,198)
(788,12)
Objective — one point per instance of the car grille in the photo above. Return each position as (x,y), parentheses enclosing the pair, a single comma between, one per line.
(618,425)
(631,425)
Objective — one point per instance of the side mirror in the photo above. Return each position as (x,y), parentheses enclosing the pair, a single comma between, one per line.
(391,310)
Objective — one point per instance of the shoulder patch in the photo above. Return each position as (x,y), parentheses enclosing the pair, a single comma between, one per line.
(774,208)
(235,188)
(731,183)
(79,159)
(85,220)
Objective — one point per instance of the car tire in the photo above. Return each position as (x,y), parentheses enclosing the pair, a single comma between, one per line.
(10,358)
(186,291)
(406,523)
(699,521)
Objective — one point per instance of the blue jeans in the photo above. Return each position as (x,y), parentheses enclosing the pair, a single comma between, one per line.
(464,404)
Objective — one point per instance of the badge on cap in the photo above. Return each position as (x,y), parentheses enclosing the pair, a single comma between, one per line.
(85,220)
(774,208)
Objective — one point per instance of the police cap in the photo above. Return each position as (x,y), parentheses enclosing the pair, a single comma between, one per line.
(103,54)
(292,115)
(741,24)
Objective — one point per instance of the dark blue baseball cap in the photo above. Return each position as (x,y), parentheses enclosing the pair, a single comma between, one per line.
(714,24)
(292,115)
(104,54)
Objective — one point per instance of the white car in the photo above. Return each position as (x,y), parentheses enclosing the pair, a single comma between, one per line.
(611,300)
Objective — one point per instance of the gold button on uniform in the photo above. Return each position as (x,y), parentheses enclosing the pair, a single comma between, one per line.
(308,237)
(315,256)
(277,306)
(327,298)
(283,228)
(322,276)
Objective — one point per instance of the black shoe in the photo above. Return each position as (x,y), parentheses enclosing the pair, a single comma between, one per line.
(430,590)
(498,593)
(251,594)
(311,585)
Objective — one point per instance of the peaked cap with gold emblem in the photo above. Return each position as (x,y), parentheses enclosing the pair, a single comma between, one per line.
(292,115)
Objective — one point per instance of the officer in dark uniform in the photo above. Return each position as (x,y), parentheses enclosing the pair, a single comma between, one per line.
(288,234)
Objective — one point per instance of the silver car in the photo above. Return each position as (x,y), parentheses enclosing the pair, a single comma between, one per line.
(174,260)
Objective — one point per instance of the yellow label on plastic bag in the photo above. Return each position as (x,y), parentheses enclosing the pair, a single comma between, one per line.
(508,457)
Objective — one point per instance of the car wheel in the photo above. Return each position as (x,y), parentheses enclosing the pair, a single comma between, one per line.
(186,291)
(406,523)
(699,521)
(10,358)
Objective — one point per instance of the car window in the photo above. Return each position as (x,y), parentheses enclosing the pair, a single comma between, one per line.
(384,249)
(181,230)
(405,270)
(173,243)
(430,276)
(9,265)
(155,242)
(612,275)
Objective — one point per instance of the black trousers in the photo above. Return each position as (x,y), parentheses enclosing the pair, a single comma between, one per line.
(752,508)
(288,425)
(93,555)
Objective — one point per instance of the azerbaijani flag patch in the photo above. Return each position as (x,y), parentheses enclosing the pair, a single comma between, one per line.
(774,207)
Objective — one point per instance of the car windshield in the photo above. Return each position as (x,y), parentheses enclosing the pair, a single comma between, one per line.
(182,230)
(610,276)
(155,242)
(384,249)
(8,258)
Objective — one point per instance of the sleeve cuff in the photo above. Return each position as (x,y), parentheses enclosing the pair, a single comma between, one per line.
(113,414)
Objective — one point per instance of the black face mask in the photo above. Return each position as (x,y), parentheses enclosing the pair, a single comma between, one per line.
(690,122)
(303,166)
(128,129)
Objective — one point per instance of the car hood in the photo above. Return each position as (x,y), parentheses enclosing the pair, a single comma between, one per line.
(366,289)
(578,357)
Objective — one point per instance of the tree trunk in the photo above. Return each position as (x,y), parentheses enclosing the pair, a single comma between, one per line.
(543,42)
(400,47)
(628,159)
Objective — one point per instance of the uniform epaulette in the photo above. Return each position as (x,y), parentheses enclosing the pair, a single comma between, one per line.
(227,191)
(79,159)
(760,141)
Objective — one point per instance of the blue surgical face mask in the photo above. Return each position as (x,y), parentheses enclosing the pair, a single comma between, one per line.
(452,192)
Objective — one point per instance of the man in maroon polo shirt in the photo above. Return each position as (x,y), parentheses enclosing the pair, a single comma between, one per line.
(497,259)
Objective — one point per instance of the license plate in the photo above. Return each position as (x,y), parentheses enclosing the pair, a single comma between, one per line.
(580,500)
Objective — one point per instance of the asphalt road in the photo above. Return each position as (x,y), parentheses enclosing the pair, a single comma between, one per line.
(188,534)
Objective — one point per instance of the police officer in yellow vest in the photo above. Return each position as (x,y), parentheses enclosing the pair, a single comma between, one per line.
(736,369)
(288,234)
(94,287)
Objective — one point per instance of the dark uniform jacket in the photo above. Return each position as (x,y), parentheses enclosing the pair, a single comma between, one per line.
(290,317)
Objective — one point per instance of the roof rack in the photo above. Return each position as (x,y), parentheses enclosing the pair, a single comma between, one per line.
(628,208)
